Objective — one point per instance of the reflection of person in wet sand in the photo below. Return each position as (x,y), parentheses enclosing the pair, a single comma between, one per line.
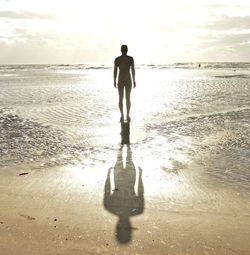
(124,63)
(125,199)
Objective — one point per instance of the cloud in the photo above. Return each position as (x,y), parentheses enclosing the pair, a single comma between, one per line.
(225,5)
(25,46)
(23,15)
(226,22)
(225,40)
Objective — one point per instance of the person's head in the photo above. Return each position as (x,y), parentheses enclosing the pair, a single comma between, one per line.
(124,49)
(123,230)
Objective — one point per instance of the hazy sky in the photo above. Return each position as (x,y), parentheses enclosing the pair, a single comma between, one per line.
(91,31)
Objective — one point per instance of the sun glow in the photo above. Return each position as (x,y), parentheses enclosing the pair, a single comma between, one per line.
(149,30)
(93,30)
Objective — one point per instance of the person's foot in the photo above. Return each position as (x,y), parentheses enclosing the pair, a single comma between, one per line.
(122,119)
(128,119)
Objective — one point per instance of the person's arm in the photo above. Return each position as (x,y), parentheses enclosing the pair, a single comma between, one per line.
(107,191)
(133,72)
(115,73)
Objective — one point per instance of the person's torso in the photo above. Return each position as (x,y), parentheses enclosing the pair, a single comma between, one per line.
(124,64)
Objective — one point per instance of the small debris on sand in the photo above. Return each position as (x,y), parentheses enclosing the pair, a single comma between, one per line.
(27,217)
(23,174)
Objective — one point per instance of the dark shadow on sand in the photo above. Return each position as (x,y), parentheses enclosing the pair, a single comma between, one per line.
(124,193)
(125,133)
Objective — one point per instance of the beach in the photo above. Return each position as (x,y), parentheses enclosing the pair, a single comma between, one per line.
(181,186)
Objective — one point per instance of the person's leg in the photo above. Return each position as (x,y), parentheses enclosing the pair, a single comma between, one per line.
(128,102)
(121,95)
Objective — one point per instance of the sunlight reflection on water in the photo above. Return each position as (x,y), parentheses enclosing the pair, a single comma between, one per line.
(177,118)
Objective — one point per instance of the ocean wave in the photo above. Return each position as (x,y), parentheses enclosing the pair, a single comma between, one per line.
(187,65)
(242,76)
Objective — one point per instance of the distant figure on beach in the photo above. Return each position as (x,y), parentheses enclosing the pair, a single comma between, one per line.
(124,63)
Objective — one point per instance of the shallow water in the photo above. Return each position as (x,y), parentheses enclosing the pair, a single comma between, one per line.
(181,118)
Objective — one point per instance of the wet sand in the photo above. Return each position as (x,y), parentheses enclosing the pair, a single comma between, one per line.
(65,210)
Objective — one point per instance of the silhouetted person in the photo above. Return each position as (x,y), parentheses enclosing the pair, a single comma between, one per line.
(125,64)
(125,199)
